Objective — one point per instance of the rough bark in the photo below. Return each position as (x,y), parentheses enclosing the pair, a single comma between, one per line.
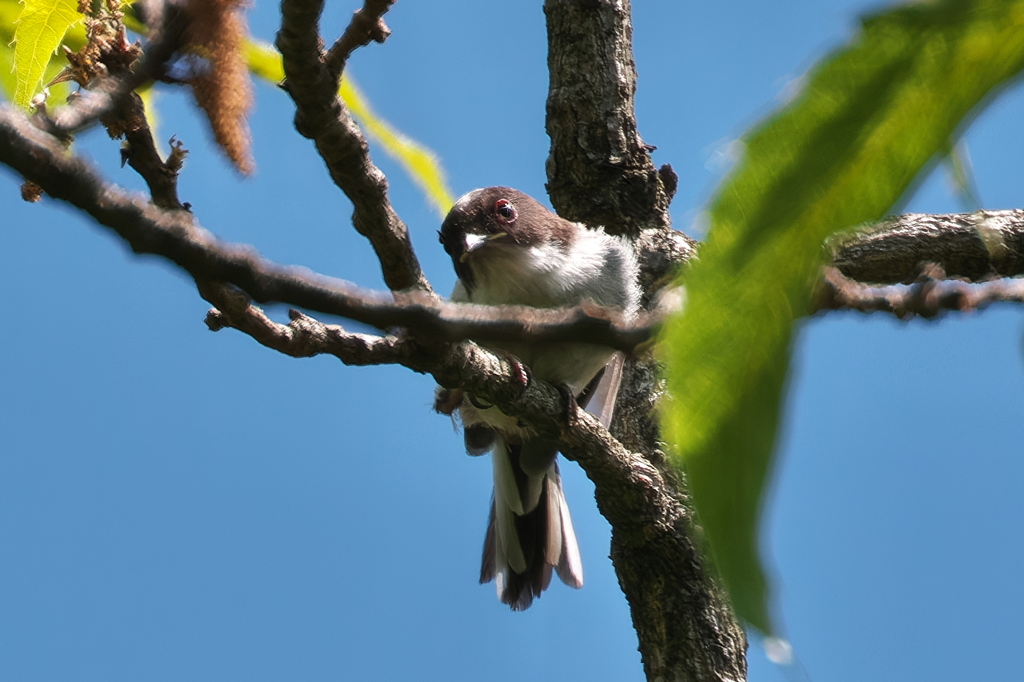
(600,172)
(321,116)
(973,246)
(684,624)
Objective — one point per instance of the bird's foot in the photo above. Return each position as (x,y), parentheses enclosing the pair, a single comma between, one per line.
(446,400)
(520,373)
(572,407)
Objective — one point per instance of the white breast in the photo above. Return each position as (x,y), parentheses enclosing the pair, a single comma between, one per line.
(596,267)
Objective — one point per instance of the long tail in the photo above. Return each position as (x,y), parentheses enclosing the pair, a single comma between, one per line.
(529,532)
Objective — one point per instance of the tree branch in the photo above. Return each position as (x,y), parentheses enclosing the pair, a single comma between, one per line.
(367,26)
(954,241)
(973,246)
(323,118)
(165,37)
(631,492)
(488,375)
(177,237)
(928,297)
(600,172)
(303,337)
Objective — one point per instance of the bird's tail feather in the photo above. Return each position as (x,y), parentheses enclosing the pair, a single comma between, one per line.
(529,532)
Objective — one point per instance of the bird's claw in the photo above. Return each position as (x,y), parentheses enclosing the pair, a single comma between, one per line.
(520,373)
(446,400)
(572,408)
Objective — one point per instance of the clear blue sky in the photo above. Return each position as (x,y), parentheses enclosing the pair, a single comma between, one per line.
(182,505)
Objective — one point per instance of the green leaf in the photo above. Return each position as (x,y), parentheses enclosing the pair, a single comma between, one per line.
(961,174)
(40,29)
(421,164)
(9,11)
(74,38)
(870,118)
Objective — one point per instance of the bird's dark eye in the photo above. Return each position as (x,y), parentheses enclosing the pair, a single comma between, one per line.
(505,211)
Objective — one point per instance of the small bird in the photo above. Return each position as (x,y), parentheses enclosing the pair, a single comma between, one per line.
(508,249)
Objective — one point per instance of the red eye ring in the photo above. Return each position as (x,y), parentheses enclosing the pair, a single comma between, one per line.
(505,211)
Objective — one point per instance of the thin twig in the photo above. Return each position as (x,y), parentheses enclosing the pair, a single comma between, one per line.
(367,26)
(303,336)
(106,95)
(322,117)
(928,297)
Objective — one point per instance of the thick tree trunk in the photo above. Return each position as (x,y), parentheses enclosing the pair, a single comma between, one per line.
(600,172)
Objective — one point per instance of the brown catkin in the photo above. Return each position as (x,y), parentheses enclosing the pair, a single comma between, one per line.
(222,89)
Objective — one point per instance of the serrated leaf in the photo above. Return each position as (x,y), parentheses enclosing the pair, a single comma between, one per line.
(421,164)
(74,38)
(40,29)
(871,117)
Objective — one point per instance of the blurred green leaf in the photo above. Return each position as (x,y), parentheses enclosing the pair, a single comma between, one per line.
(9,11)
(869,119)
(148,94)
(961,174)
(39,31)
(421,164)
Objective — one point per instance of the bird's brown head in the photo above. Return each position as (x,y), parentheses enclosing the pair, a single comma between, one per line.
(495,218)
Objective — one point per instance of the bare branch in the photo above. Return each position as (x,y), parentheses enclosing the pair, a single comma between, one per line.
(974,246)
(928,297)
(303,337)
(176,236)
(179,238)
(141,154)
(323,118)
(367,25)
(487,375)
(102,98)
(599,171)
